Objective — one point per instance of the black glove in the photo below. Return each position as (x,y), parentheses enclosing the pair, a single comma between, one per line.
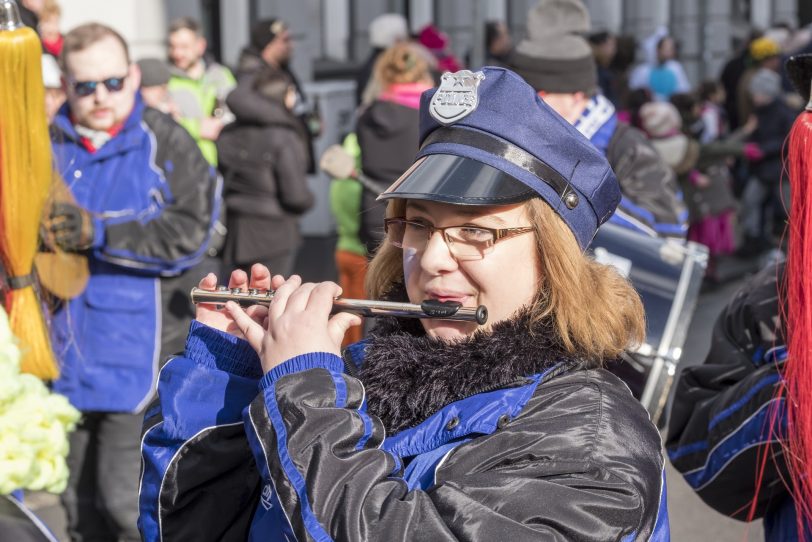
(71,227)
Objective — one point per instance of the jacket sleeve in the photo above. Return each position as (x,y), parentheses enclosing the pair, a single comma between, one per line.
(321,450)
(651,202)
(290,170)
(199,480)
(174,236)
(727,414)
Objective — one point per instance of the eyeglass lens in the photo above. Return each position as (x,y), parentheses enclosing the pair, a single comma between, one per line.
(86,88)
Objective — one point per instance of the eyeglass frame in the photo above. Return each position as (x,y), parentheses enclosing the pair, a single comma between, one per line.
(499,234)
(95,84)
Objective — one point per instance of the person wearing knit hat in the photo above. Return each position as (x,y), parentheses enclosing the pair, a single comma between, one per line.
(703,175)
(384,31)
(439,44)
(765,193)
(271,48)
(155,76)
(558,62)
(764,53)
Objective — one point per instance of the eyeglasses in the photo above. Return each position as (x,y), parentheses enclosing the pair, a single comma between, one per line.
(464,242)
(86,88)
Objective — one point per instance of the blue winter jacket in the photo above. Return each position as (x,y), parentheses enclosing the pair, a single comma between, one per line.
(153,199)
(230,454)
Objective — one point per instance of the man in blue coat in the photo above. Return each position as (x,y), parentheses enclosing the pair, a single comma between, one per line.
(145,201)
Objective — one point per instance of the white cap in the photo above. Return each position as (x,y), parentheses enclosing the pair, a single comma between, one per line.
(51,74)
(386,29)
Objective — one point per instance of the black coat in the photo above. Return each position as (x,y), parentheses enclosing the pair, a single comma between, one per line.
(774,123)
(719,429)
(263,158)
(388,136)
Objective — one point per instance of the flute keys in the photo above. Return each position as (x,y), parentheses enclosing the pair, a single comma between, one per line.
(236,291)
(253,291)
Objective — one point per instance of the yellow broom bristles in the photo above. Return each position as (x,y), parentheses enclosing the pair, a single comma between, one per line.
(25,181)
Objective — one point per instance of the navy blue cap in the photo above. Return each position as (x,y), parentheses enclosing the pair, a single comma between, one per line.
(486,138)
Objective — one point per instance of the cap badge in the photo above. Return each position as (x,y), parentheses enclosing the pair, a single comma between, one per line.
(456,97)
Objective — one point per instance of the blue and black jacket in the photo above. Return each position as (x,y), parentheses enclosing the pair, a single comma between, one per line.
(652,201)
(153,199)
(728,419)
(232,454)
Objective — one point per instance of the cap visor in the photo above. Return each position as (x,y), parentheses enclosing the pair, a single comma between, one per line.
(454,179)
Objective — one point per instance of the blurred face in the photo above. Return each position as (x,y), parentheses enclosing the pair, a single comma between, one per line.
(569,106)
(502,44)
(666,50)
(49,28)
(156,96)
(54,98)
(504,280)
(280,50)
(102,61)
(186,48)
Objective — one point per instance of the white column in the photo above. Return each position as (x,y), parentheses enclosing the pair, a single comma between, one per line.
(141,22)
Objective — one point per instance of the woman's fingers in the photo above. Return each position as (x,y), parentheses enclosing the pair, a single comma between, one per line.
(260,277)
(298,299)
(277,281)
(280,296)
(251,330)
(323,296)
(209,282)
(339,324)
(238,279)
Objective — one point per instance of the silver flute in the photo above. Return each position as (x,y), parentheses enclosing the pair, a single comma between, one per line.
(430,308)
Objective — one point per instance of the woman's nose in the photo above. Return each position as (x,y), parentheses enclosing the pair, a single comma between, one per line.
(437,255)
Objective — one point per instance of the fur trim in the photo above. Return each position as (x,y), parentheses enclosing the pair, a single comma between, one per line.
(409,376)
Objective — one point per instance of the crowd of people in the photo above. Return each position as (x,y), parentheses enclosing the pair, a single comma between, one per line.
(179,169)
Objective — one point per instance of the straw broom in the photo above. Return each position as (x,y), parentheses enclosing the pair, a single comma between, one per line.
(25,182)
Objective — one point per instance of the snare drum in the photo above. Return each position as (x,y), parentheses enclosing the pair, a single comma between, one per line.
(668,276)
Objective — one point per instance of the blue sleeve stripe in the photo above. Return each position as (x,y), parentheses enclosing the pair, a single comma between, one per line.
(180,264)
(641,212)
(644,214)
(311,524)
(628,222)
(768,380)
(753,432)
(688,449)
(672,229)
(367,431)
(341,389)
(662,527)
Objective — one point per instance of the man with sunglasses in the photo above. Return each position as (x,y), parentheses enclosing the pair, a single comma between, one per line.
(145,199)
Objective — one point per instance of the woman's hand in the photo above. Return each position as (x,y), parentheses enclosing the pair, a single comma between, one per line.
(298,322)
(217,317)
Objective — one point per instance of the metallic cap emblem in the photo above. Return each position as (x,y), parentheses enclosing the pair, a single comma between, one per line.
(456,96)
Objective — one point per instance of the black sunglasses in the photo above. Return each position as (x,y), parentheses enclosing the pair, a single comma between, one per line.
(86,88)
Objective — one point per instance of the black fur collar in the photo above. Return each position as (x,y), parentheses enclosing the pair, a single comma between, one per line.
(409,376)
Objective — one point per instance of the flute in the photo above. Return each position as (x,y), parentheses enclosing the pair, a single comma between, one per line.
(430,308)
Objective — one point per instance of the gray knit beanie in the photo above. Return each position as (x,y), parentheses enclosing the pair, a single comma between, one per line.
(765,82)
(556,57)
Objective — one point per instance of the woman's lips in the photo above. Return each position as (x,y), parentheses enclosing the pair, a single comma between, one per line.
(447,296)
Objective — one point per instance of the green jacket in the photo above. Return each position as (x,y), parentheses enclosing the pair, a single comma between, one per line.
(345,203)
(197,99)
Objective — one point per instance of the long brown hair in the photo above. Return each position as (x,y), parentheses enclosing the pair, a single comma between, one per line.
(597,313)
